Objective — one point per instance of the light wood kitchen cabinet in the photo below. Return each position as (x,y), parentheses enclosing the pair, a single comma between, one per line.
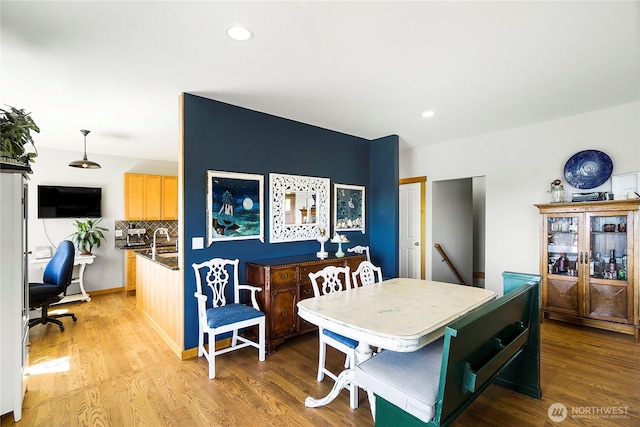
(589,264)
(130,284)
(150,197)
(169,197)
(284,282)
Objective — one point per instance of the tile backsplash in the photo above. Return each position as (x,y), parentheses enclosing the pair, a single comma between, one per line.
(121,227)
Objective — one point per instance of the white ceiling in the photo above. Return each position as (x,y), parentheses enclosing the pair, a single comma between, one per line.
(363,68)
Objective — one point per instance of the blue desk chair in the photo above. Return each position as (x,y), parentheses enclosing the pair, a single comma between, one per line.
(217,316)
(55,281)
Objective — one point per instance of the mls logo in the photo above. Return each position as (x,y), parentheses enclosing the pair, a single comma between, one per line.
(557,412)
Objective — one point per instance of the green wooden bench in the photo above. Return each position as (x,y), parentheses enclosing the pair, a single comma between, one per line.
(433,385)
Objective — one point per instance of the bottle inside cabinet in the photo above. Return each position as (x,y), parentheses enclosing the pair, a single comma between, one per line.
(562,245)
(609,237)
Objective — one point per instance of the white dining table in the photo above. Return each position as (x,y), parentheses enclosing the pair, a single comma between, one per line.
(397,314)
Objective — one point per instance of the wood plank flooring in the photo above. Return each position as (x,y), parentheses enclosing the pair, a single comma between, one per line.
(110,369)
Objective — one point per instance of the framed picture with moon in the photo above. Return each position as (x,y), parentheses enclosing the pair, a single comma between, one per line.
(234,206)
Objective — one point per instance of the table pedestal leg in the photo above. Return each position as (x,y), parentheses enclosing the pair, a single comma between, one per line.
(345,380)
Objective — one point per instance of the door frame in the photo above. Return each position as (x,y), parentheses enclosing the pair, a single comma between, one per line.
(422,180)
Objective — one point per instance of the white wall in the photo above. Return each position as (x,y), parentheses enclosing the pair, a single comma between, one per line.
(519,165)
(51,168)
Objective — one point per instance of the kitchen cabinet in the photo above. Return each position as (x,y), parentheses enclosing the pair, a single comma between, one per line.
(14,302)
(284,282)
(130,269)
(589,264)
(169,197)
(150,197)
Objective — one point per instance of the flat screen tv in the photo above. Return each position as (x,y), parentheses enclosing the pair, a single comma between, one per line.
(56,201)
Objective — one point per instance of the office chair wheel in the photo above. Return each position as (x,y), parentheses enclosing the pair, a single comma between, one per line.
(73,316)
(61,328)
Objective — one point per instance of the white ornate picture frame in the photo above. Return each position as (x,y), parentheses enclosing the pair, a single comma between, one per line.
(235,206)
(281,230)
(348,207)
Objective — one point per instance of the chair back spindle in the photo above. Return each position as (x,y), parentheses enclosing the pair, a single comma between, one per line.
(366,274)
(330,280)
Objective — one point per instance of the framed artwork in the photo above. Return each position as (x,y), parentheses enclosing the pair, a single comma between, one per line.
(299,207)
(348,208)
(234,206)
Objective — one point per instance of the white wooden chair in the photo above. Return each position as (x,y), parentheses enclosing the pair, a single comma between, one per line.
(366,274)
(361,250)
(218,316)
(328,280)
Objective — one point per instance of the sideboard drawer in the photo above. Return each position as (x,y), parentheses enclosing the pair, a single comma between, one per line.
(284,276)
(306,291)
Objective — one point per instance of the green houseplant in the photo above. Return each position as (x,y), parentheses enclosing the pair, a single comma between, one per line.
(15,131)
(87,235)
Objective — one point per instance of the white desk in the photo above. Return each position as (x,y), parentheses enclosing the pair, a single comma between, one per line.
(396,314)
(79,265)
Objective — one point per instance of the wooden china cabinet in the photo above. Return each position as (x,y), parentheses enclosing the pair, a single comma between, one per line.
(589,263)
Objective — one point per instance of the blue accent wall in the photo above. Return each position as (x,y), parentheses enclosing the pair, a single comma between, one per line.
(224,137)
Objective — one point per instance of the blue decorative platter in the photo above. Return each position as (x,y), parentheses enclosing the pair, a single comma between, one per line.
(588,169)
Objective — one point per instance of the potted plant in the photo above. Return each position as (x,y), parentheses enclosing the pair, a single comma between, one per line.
(15,130)
(87,235)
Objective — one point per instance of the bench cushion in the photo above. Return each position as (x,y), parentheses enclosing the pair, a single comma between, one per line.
(408,380)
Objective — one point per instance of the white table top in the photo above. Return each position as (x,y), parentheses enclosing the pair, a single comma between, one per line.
(397,314)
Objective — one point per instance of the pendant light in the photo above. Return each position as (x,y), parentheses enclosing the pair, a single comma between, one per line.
(84,163)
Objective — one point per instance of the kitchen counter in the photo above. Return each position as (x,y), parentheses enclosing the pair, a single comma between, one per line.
(166,257)
(160,297)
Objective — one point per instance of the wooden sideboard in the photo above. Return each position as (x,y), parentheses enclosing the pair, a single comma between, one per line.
(284,282)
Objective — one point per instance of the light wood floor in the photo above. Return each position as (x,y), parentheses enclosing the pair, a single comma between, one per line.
(110,369)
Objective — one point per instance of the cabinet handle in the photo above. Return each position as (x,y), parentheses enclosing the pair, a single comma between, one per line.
(284,313)
(581,259)
(284,275)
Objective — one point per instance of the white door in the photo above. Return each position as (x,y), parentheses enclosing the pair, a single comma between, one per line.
(411,258)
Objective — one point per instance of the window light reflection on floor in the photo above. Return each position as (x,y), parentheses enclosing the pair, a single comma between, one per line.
(61,364)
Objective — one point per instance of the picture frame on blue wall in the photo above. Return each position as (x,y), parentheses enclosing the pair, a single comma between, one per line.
(348,207)
(235,206)
(299,207)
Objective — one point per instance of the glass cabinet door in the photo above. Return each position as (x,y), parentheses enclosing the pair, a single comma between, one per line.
(608,294)
(563,245)
(608,247)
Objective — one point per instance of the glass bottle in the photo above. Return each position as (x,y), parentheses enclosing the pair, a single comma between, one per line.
(562,263)
(612,264)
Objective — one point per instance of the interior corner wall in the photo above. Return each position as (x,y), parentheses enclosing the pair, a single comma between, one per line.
(224,137)
(384,207)
(519,165)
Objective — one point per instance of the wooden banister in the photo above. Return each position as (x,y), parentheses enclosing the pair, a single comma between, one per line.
(445,258)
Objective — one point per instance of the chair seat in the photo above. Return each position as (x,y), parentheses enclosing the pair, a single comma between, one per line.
(42,294)
(231,313)
(408,380)
(341,338)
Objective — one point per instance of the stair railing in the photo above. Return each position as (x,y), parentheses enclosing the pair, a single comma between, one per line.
(445,258)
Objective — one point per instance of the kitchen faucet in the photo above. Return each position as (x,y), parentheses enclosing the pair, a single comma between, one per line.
(154,251)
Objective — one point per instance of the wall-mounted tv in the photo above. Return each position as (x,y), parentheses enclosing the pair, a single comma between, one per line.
(56,201)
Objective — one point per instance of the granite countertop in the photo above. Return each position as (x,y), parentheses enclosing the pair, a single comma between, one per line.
(166,257)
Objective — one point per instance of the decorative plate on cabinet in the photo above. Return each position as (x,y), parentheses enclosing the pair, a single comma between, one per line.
(588,169)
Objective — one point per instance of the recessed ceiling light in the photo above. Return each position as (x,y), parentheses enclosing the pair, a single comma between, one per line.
(239,33)
(427,114)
